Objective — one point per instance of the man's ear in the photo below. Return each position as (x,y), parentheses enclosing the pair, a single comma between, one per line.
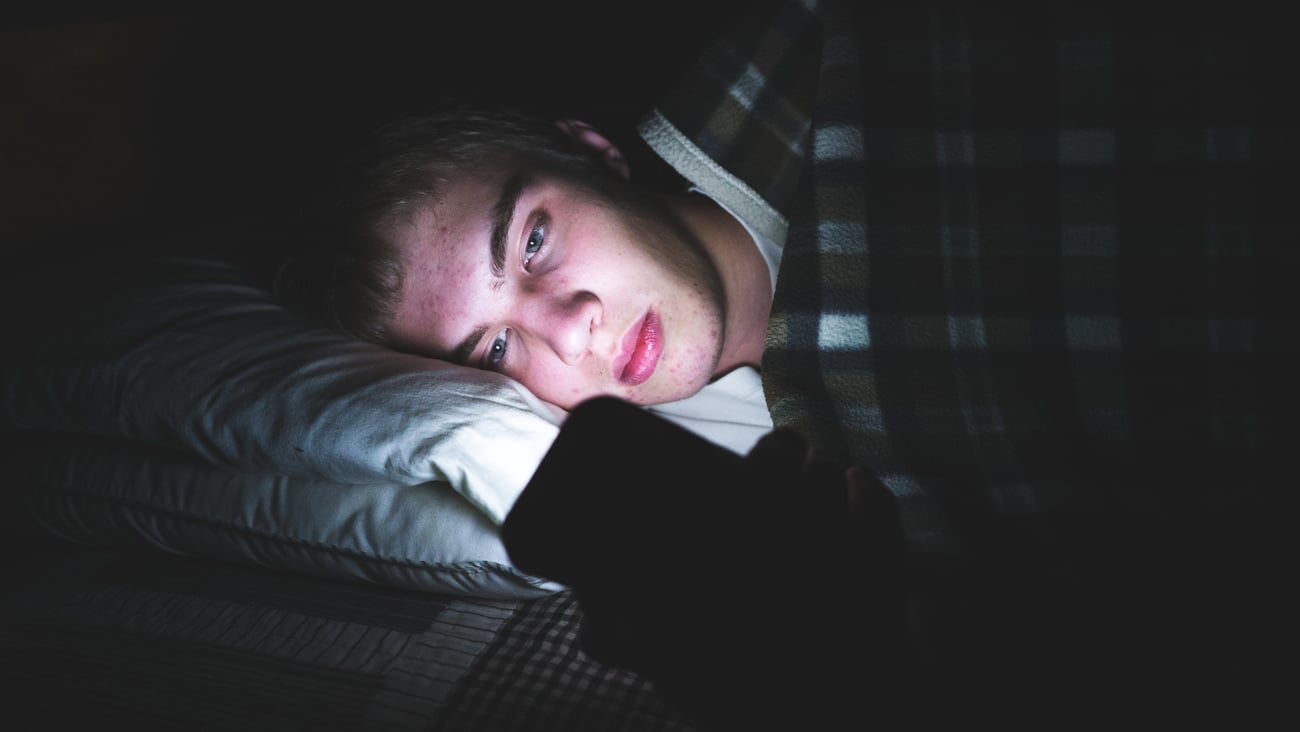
(605,150)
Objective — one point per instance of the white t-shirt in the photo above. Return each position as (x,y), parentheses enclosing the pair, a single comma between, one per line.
(732,410)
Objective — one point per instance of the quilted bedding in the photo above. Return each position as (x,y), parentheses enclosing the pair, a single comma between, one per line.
(142,640)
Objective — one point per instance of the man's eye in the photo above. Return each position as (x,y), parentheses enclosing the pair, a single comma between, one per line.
(496,352)
(536,239)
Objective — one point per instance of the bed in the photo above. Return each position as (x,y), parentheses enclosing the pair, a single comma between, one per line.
(222,517)
(154,641)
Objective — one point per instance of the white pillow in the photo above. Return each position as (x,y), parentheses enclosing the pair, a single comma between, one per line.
(192,354)
(421,537)
(241,430)
(176,403)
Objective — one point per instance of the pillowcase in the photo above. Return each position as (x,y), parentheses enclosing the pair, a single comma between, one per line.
(422,537)
(177,402)
(191,354)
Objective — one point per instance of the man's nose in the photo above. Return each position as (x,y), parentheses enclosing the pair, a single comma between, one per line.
(568,324)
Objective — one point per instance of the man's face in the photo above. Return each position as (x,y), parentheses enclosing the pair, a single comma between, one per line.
(557,287)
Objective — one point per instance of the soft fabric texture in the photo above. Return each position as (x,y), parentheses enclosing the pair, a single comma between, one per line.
(191,354)
(1034,281)
(729,412)
(1000,317)
(119,639)
(425,536)
(231,427)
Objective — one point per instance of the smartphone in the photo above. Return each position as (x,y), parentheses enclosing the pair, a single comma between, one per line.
(623,492)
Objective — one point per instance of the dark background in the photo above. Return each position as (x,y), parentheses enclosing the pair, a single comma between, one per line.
(209,131)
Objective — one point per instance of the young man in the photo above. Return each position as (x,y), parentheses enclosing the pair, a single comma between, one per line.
(523,248)
(1026,277)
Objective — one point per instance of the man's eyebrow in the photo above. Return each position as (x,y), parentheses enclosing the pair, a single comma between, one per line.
(502,216)
(466,347)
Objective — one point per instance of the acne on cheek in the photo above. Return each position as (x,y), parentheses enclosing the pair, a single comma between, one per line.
(693,356)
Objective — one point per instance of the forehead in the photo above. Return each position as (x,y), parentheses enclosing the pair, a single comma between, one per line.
(457,200)
(442,243)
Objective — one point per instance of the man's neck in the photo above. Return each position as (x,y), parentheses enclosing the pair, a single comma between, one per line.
(746,280)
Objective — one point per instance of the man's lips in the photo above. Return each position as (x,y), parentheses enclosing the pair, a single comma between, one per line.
(642,347)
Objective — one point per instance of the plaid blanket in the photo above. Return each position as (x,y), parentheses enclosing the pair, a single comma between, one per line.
(1033,279)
